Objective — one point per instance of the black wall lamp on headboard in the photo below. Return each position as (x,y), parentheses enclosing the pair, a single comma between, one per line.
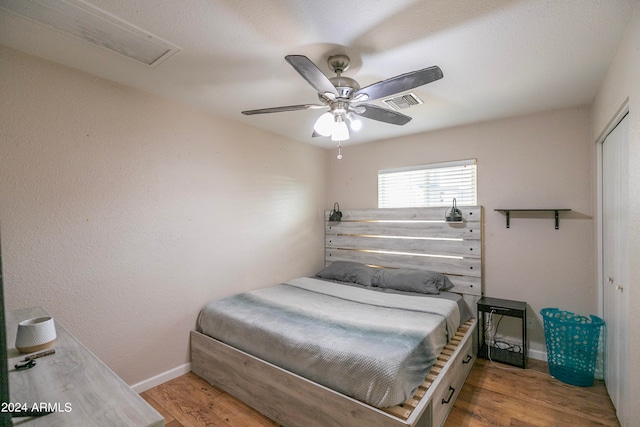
(335,215)
(454,215)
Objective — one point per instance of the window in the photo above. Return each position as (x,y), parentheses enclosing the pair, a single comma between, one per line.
(428,185)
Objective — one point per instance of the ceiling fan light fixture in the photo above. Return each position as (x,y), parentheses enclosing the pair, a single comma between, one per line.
(341,131)
(354,123)
(343,96)
(325,124)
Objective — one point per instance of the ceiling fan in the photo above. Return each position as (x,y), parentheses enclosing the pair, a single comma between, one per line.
(346,99)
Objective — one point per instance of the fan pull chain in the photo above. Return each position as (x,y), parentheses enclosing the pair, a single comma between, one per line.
(339,156)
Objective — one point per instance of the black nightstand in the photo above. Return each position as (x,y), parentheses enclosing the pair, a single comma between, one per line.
(514,355)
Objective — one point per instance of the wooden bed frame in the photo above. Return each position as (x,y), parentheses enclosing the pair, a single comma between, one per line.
(395,238)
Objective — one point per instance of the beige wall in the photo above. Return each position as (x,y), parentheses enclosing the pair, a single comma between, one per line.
(622,82)
(537,161)
(122,213)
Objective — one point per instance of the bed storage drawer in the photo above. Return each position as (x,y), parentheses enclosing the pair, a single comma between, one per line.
(452,382)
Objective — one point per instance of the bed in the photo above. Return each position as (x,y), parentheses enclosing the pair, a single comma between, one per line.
(295,386)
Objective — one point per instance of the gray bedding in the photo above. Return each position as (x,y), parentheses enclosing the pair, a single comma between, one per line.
(375,347)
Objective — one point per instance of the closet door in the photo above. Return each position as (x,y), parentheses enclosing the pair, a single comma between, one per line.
(615,222)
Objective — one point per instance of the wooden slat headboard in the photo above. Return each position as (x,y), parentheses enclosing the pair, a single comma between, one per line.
(417,238)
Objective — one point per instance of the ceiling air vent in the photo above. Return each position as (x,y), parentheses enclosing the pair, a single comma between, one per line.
(92,25)
(403,101)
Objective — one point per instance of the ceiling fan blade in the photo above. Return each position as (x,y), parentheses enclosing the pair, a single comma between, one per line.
(282,109)
(374,112)
(311,73)
(401,83)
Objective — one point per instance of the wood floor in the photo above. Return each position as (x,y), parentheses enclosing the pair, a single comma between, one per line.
(494,395)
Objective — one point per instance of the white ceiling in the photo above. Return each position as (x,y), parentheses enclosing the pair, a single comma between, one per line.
(500,58)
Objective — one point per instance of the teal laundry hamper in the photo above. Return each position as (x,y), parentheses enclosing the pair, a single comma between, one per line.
(572,345)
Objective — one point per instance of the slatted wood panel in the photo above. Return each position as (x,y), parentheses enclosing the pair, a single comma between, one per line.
(417,238)
(405,409)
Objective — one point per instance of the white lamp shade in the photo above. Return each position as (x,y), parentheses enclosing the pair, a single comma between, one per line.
(355,124)
(340,132)
(324,124)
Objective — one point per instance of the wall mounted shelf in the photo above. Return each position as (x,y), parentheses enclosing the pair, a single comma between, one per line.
(555,211)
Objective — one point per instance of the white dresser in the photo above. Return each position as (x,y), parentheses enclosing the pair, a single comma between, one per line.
(74,383)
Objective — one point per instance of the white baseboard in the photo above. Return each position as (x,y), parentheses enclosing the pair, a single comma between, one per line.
(538,355)
(161,378)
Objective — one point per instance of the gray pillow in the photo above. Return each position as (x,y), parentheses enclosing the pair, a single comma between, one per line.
(346,271)
(403,279)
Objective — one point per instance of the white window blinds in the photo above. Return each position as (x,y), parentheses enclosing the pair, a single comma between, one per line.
(428,185)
